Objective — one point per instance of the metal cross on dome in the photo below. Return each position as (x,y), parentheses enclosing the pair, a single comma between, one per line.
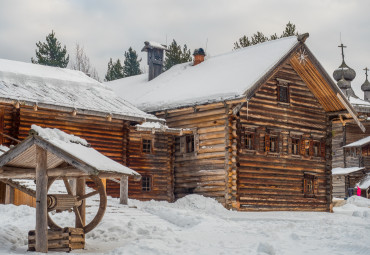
(366,69)
(342,46)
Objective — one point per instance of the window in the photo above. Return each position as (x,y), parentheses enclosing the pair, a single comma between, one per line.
(146,183)
(316,149)
(147,146)
(282,91)
(189,139)
(273,144)
(295,146)
(309,185)
(249,141)
(306,148)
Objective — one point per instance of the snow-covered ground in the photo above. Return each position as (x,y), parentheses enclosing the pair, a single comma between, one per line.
(198,225)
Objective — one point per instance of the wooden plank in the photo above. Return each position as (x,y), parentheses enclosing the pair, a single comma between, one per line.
(41,201)
(124,190)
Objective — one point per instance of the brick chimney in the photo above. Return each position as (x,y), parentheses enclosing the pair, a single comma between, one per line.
(155,58)
(199,55)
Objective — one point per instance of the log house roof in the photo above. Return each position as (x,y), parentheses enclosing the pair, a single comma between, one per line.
(235,75)
(62,89)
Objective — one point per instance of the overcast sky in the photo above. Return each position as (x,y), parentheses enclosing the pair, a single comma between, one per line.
(108,28)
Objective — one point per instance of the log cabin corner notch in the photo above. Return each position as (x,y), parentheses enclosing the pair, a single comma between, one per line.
(264,125)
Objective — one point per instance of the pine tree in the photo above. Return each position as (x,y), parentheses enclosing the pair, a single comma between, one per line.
(115,71)
(289,30)
(131,65)
(51,53)
(259,37)
(175,55)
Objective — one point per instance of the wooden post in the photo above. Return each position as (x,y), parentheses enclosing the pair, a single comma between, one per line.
(41,201)
(9,194)
(72,183)
(80,191)
(123,194)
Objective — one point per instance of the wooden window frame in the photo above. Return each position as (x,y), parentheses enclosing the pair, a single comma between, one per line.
(274,139)
(267,142)
(310,185)
(283,84)
(143,149)
(316,144)
(149,186)
(248,139)
(298,144)
(183,150)
(189,149)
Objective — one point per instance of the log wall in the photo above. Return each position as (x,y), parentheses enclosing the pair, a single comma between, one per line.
(158,165)
(202,171)
(274,181)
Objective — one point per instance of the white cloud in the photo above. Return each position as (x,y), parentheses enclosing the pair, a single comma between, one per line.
(108,28)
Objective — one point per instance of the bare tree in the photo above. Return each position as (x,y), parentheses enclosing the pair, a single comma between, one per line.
(81,62)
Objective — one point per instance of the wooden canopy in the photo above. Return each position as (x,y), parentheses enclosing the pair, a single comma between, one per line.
(20,161)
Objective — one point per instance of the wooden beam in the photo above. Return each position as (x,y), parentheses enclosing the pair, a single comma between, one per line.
(80,192)
(363,129)
(41,201)
(9,194)
(15,185)
(123,197)
(29,173)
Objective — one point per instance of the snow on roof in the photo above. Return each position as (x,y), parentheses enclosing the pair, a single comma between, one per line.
(53,86)
(157,45)
(348,170)
(222,77)
(78,148)
(365,183)
(3,149)
(359,102)
(359,143)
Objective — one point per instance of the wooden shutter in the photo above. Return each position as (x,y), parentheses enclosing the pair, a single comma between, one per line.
(322,148)
(242,138)
(182,144)
(267,142)
(311,148)
(196,142)
(290,145)
(302,147)
(256,140)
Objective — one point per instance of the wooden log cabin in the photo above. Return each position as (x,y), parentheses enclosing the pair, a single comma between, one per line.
(72,102)
(261,120)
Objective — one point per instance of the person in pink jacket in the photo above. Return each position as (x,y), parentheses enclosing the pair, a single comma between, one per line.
(358,191)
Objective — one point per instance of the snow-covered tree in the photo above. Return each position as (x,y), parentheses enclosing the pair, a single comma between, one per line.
(175,55)
(51,53)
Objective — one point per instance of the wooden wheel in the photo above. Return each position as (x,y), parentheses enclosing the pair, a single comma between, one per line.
(76,203)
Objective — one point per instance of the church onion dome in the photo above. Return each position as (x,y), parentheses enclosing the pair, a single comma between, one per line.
(343,83)
(344,71)
(366,86)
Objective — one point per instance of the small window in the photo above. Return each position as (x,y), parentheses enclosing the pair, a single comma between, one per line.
(273,144)
(249,141)
(295,146)
(316,149)
(309,185)
(147,146)
(307,148)
(283,94)
(146,183)
(189,139)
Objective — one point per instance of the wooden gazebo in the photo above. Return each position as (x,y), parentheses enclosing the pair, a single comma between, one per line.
(50,154)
